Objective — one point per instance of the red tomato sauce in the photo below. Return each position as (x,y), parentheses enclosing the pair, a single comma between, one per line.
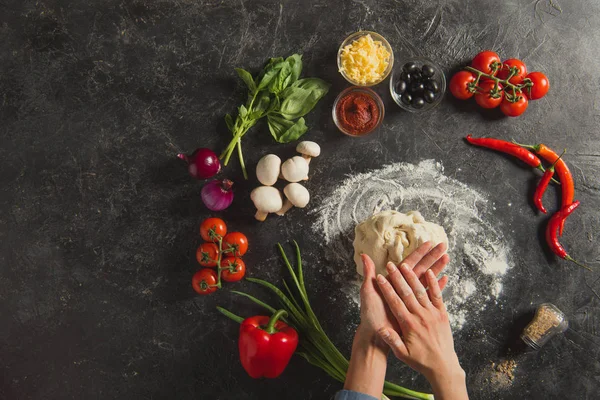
(357,113)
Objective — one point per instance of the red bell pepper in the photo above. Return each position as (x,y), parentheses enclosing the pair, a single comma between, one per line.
(266,345)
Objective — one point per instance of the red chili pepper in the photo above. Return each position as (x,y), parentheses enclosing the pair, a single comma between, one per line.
(509,148)
(552,230)
(567,185)
(266,345)
(543,185)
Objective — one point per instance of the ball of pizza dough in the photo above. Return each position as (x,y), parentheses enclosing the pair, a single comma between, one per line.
(392,236)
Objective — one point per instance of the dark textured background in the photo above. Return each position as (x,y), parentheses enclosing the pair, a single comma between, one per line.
(98,219)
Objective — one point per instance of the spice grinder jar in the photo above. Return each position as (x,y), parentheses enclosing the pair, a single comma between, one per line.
(548,322)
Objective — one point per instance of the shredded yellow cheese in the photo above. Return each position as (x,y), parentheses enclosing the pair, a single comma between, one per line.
(365,60)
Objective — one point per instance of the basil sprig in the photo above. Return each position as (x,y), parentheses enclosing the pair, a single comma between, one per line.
(278,94)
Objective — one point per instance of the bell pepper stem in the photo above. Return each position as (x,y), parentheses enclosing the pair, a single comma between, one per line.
(270,328)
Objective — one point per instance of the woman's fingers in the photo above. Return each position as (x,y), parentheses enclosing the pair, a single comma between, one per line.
(392,339)
(443,281)
(394,302)
(430,259)
(416,256)
(368,270)
(417,287)
(402,288)
(435,293)
(437,267)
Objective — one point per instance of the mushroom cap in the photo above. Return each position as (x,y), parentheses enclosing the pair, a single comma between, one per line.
(309,148)
(267,169)
(295,169)
(297,194)
(266,199)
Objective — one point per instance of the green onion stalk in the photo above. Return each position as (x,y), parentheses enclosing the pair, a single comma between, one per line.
(314,346)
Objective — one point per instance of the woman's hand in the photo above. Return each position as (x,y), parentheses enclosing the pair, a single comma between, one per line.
(424,338)
(374,314)
(366,372)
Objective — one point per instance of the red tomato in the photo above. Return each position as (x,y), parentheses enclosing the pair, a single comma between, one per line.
(234,269)
(486,61)
(461,83)
(235,244)
(486,96)
(540,85)
(513,64)
(514,109)
(213,229)
(205,281)
(207,254)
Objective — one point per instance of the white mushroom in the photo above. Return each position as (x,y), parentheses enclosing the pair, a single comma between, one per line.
(295,169)
(267,169)
(308,150)
(296,195)
(267,199)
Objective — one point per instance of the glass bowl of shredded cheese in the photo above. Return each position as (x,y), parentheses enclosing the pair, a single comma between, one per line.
(365,58)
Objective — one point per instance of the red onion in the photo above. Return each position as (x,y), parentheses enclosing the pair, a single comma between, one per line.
(217,195)
(202,164)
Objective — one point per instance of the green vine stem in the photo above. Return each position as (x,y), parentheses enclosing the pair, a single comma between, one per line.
(506,84)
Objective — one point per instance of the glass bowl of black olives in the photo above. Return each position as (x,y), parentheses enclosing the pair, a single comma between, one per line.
(417,85)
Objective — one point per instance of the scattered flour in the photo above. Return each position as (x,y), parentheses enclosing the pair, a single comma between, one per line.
(479,252)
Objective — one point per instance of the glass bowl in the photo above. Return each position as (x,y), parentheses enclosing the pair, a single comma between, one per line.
(377,37)
(438,77)
(361,90)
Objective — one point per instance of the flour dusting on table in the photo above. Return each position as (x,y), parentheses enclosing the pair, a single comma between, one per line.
(479,251)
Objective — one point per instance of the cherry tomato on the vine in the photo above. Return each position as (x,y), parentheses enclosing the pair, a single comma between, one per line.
(235,244)
(485,61)
(518,66)
(540,85)
(486,96)
(205,281)
(459,85)
(514,109)
(212,229)
(233,270)
(207,254)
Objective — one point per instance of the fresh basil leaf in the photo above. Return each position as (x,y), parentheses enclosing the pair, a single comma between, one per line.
(300,98)
(247,78)
(281,79)
(243,111)
(274,105)
(285,131)
(262,102)
(295,61)
(229,122)
(270,71)
(297,103)
(316,85)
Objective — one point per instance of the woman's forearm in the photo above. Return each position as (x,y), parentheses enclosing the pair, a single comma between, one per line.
(366,372)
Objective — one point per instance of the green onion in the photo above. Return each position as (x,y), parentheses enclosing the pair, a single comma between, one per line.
(315,346)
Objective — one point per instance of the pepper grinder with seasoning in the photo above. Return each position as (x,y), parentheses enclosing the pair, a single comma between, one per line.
(548,322)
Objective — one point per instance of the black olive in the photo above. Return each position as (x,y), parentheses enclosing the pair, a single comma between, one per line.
(401,87)
(416,75)
(405,76)
(428,70)
(433,86)
(410,67)
(416,87)
(429,96)
(418,102)
(406,98)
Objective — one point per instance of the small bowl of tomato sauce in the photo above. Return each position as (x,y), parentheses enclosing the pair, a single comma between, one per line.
(358,111)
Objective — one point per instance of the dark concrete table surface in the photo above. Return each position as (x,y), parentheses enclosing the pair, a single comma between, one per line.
(98,219)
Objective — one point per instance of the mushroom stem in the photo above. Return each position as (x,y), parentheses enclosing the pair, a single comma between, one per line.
(286,207)
(307,158)
(260,215)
